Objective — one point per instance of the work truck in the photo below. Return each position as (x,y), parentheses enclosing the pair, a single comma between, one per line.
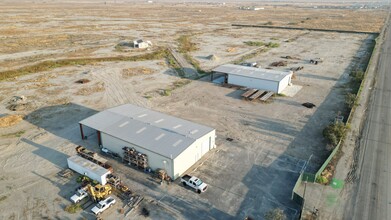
(80,194)
(103,205)
(194,182)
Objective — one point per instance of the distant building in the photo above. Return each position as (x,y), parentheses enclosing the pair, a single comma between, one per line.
(255,78)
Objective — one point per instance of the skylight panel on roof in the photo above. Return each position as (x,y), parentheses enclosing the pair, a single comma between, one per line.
(194,131)
(177,142)
(123,124)
(141,130)
(160,120)
(177,126)
(160,136)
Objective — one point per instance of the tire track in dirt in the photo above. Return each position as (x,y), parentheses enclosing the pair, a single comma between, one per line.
(116,93)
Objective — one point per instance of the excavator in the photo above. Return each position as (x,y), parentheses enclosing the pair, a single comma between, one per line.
(99,192)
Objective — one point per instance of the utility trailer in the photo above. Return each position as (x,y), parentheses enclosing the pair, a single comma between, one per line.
(88,168)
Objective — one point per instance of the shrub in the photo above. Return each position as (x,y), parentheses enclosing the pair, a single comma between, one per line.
(73,208)
(322,180)
(166,92)
(254,43)
(272,45)
(275,214)
(357,75)
(350,99)
(334,132)
(185,44)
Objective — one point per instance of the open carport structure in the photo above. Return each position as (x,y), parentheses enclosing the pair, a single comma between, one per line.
(170,143)
(255,78)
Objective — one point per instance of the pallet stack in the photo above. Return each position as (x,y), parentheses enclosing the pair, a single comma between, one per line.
(134,158)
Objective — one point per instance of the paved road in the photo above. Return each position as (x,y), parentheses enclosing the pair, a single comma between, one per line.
(372,196)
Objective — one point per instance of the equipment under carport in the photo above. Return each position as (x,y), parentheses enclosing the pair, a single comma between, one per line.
(255,94)
(93,157)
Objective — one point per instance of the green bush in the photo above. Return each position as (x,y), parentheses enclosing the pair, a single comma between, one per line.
(272,45)
(166,92)
(254,43)
(357,75)
(322,180)
(334,132)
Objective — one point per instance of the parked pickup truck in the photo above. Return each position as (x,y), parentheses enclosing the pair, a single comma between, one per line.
(103,205)
(194,182)
(80,194)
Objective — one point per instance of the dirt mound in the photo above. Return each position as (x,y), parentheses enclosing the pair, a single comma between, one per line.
(279,63)
(82,81)
(97,87)
(231,49)
(295,69)
(10,120)
(212,57)
(308,105)
(291,57)
(21,106)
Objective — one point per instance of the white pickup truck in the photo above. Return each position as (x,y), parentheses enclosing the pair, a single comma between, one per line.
(80,194)
(194,182)
(103,205)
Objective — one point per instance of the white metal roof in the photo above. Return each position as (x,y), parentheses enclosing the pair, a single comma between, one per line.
(253,72)
(88,165)
(157,132)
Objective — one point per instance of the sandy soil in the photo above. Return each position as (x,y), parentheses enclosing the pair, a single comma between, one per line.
(271,141)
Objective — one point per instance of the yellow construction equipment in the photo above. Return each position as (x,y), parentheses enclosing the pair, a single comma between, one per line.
(99,192)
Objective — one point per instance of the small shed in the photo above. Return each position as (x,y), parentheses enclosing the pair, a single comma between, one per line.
(141,44)
(256,78)
(169,143)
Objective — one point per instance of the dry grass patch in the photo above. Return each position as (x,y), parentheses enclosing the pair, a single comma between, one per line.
(53,64)
(186,45)
(231,49)
(97,87)
(60,101)
(130,72)
(10,120)
(40,85)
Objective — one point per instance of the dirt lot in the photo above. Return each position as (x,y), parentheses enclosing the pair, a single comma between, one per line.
(248,176)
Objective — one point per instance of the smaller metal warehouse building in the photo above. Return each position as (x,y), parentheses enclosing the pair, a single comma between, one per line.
(170,143)
(256,78)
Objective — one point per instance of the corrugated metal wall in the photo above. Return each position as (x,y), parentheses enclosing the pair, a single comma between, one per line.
(253,83)
(155,161)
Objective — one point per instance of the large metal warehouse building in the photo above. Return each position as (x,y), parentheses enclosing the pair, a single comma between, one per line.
(170,143)
(255,78)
